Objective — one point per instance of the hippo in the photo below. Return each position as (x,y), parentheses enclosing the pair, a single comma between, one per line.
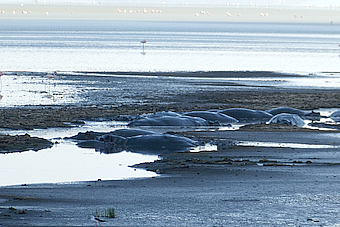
(247,115)
(169,121)
(302,113)
(161,114)
(105,147)
(155,143)
(159,143)
(131,132)
(89,135)
(335,116)
(212,116)
(290,119)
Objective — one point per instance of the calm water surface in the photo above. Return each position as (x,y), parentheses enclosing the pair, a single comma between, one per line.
(47,45)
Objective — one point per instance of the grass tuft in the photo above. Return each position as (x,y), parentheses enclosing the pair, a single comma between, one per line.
(107,213)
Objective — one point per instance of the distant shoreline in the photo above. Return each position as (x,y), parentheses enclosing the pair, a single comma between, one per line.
(170,13)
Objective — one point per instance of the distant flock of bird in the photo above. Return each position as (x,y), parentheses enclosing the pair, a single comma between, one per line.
(202,12)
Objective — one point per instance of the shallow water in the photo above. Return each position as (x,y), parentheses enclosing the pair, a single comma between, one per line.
(65,162)
(45,45)
(71,88)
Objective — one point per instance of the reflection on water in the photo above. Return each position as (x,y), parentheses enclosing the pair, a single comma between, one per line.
(65,163)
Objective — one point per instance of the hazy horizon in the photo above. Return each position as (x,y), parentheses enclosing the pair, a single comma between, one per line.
(317,3)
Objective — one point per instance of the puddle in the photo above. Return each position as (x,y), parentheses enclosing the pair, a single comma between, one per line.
(206,147)
(284,145)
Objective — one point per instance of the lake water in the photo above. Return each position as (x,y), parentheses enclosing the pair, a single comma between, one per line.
(70,46)
(48,45)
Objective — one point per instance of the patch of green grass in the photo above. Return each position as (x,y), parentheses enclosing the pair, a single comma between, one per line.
(107,213)
(110,213)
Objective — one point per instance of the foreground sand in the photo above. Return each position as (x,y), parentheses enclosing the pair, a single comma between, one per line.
(222,196)
(234,186)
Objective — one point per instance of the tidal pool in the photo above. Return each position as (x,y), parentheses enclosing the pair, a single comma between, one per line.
(65,162)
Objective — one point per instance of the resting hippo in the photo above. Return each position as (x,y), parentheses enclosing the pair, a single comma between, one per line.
(144,142)
(104,146)
(335,116)
(212,116)
(169,121)
(302,113)
(159,143)
(290,119)
(161,114)
(89,135)
(247,115)
(131,132)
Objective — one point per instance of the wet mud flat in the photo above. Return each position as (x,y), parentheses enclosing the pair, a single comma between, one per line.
(273,182)
(80,96)
(235,195)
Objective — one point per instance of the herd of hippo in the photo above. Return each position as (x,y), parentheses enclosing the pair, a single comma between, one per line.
(145,141)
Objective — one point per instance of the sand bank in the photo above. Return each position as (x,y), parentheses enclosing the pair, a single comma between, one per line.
(160,12)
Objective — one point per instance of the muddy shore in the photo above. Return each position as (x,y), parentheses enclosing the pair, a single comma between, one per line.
(203,96)
(233,186)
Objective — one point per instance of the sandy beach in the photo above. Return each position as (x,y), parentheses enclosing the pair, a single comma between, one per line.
(272,183)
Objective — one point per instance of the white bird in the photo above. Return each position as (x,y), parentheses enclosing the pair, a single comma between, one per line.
(51,76)
(97,220)
(143,42)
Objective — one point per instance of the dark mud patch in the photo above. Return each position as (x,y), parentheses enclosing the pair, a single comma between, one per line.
(19,143)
